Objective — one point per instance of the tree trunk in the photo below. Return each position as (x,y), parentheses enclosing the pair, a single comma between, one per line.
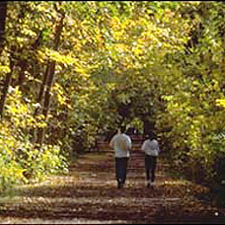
(21,78)
(3,12)
(49,79)
(148,126)
(42,90)
(5,88)
(50,71)
(37,132)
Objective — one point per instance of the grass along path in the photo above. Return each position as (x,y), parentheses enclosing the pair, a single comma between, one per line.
(88,195)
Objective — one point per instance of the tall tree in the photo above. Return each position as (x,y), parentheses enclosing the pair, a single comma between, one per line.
(3,12)
(6,87)
(48,79)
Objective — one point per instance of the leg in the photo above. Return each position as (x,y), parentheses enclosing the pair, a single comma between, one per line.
(147,169)
(124,169)
(119,171)
(153,167)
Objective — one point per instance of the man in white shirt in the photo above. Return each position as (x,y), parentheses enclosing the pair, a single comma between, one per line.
(121,143)
(151,149)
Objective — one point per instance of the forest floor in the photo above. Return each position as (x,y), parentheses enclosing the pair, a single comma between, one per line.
(89,195)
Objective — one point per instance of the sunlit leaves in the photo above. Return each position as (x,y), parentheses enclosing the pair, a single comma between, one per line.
(120,54)
(4,69)
(20,112)
(192,117)
(61,95)
(220,102)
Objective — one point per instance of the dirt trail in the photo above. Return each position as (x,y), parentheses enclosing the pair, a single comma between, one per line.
(89,195)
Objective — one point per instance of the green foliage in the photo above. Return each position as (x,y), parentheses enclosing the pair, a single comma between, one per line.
(117,63)
(192,115)
(21,159)
(40,162)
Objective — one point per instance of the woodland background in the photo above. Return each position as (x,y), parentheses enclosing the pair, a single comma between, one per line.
(72,71)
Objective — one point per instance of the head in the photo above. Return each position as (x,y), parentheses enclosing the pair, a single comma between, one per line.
(122,129)
(151,135)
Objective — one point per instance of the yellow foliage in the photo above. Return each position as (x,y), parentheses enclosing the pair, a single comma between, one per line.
(41,56)
(220,102)
(56,56)
(61,95)
(20,113)
(115,23)
(121,47)
(4,69)
(138,51)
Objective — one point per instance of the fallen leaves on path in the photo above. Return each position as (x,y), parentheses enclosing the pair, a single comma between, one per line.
(88,194)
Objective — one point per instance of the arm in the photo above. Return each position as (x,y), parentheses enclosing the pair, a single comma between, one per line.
(143,147)
(158,149)
(111,143)
(129,143)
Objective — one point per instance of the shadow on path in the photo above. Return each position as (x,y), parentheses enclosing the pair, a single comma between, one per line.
(88,194)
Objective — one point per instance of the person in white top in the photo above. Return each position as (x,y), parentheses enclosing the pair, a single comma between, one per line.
(151,150)
(121,143)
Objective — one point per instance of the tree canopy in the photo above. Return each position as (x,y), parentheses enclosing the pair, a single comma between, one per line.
(70,71)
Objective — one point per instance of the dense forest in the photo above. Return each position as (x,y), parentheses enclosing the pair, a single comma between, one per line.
(71,71)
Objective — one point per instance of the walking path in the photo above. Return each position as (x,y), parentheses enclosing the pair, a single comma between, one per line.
(89,195)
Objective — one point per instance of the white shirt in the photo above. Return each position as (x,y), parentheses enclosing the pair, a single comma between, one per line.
(151,147)
(121,143)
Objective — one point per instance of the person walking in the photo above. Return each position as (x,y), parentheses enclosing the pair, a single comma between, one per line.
(151,150)
(121,143)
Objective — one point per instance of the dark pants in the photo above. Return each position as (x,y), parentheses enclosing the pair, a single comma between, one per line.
(121,169)
(150,166)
